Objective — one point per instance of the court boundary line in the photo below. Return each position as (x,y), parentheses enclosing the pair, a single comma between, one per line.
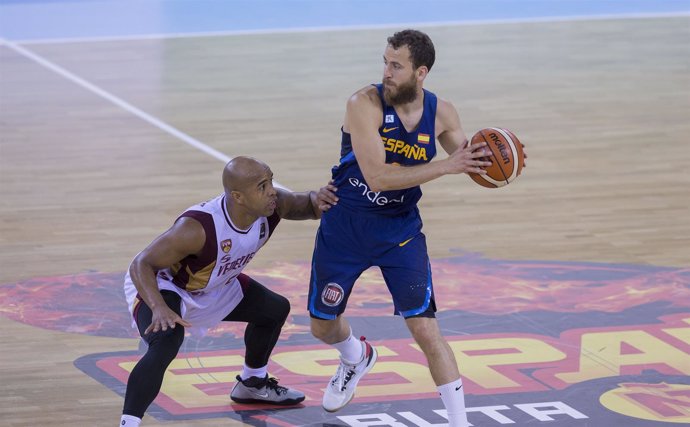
(152,120)
(79,81)
(156,122)
(299,30)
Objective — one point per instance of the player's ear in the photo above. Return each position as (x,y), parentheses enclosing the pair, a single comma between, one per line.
(237,196)
(422,71)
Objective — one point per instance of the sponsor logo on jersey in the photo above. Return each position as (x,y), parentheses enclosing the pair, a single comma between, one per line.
(387,129)
(332,294)
(374,197)
(226,245)
(390,118)
(227,263)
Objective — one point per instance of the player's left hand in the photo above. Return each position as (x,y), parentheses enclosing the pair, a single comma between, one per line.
(163,318)
(524,154)
(325,197)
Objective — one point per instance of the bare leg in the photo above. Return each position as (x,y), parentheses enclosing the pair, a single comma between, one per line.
(442,364)
(443,367)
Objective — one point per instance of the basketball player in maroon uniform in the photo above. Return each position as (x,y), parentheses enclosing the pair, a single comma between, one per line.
(190,277)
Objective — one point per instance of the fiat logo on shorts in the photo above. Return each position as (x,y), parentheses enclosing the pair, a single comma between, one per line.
(332,294)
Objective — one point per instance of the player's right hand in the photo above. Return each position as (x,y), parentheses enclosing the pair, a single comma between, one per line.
(469,158)
(164,318)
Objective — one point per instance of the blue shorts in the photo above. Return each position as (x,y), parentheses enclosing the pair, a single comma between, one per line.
(348,243)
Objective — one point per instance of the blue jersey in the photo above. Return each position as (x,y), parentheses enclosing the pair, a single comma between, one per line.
(402,148)
(380,229)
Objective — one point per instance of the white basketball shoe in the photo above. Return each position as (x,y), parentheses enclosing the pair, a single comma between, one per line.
(341,388)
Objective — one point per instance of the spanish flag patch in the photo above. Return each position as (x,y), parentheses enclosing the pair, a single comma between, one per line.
(423,138)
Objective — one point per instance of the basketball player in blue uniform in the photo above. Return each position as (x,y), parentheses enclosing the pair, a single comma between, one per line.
(389,138)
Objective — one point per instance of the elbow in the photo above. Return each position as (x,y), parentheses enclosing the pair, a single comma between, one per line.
(135,268)
(378,182)
(376,188)
(140,266)
(375,183)
(378,179)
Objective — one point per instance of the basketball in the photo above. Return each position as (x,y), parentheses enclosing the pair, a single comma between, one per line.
(506,157)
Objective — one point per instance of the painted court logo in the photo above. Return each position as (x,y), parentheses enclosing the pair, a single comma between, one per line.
(655,402)
(538,343)
(332,294)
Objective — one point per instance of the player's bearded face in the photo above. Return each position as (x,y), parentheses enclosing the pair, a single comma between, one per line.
(401,93)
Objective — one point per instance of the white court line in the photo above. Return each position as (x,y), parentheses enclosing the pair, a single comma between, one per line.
(195,143)
(117,101)
(267,31)
(121,103)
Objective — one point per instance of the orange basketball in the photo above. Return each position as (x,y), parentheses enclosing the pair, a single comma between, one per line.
(506,157)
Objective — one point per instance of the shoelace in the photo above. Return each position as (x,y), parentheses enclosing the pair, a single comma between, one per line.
(272,383)
(342,377)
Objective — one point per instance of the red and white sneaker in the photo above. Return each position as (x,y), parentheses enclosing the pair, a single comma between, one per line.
(341,388)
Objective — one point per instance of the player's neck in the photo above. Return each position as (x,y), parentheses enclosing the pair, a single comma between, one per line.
(411,113)
(413,106)
(240,218)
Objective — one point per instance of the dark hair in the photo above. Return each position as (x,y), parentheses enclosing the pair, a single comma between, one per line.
(421,48)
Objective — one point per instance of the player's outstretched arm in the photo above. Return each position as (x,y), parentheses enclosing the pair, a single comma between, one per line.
(184,238)
(307,204)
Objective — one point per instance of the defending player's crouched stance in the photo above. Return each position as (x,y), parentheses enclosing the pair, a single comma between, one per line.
(191,277)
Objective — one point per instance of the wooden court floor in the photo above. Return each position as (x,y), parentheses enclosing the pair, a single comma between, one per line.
(602,106)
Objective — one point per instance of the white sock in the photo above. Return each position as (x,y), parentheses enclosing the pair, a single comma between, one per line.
(453,397)
(351,350)
(129,421)
(251,372)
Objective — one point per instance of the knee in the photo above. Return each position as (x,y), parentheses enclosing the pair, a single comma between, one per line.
(427,335)
(166,343)
(319,332)
(429,344)
(325,330)
(275,311)
(281,309)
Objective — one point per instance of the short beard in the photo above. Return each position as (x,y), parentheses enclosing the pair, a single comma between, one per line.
(407,92)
